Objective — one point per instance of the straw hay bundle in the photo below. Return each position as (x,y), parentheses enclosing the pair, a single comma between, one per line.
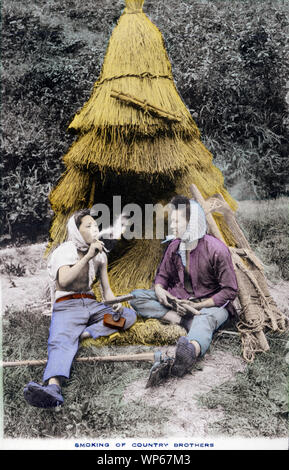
(161,154)
(136,139)
(149,333)
(134,123)
(73,192)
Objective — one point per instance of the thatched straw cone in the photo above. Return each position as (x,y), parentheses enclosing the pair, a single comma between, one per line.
(134,128)
(136,139)
(137,65)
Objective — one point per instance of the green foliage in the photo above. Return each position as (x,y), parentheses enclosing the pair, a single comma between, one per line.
(230,67)
(232,73)
(266,226)
(25,205)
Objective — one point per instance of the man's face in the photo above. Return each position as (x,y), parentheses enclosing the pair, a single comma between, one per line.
(88,229)
(178,222)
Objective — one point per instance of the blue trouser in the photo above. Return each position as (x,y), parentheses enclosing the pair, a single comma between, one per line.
(203,326)
(69,321)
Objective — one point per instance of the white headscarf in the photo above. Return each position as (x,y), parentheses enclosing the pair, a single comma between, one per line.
(196,229)
(74,236)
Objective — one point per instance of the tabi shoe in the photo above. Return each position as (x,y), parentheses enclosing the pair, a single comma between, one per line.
(186,322)
(185,357)
(159,372)
(48,396)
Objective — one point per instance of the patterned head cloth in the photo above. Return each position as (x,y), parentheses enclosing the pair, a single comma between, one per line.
(197,225)
(74,235)
(195,230)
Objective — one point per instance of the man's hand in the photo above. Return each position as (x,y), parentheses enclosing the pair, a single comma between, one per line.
(196,305)
(95,247)
(163,296)
(118,308)
(207,303)
(188,307)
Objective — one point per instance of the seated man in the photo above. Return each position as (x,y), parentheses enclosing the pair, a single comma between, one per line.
(72,267)
(195,267)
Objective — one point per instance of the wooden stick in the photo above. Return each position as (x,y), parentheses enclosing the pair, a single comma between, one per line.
(150,357)
(214,229)
(225,332)
(121,298)
(128,99)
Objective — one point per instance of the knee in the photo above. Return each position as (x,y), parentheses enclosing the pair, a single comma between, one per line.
(137,292)
(212,322)
(137,303)
(133,303)
(208,318)
(55,341)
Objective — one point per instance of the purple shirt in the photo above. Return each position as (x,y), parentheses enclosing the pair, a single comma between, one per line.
(211,271)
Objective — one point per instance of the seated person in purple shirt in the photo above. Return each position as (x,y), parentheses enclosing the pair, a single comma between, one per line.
(195,266)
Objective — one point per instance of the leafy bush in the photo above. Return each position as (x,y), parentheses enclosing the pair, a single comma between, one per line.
(229,64)
(232,73)
(25,206)
(14,269)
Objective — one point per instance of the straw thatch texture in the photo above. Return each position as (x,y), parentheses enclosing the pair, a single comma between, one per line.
(116,136)
(135,63)
(149,333)
(161,154)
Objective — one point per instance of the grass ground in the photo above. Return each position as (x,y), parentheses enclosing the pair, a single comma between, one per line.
(93,397)
(255,404)
(266,226)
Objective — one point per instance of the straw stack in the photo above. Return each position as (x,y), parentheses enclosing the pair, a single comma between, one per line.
(136,139)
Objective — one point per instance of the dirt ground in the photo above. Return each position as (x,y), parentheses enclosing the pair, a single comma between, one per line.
(178,396)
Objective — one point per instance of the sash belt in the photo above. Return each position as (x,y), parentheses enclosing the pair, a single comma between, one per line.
(75,296)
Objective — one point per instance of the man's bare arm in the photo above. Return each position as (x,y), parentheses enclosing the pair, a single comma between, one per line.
(68,274)
(105,285)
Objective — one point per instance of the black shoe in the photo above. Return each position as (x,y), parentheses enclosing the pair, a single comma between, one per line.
(185,357)
(48,396)
(186,322)
(159,372)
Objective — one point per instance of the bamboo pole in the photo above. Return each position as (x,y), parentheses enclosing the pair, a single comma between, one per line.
(144,357)
(144,105)
(213,228)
